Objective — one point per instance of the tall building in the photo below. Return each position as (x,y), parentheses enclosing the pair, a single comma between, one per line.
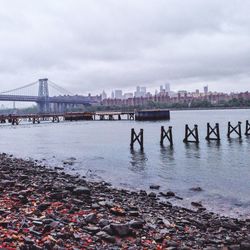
(112,95)
(161,89)
(206,90)
(167,88)
(104,95)
(118,94)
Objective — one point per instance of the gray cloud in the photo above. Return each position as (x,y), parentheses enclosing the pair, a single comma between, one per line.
(90,45)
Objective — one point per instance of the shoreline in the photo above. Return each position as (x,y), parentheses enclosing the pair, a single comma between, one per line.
(42,208)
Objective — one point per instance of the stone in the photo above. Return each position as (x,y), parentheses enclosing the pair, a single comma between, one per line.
(121,230)
(43,206)
(91,218)
(152,195)
(104,236)
(154,187)
(81,190)
(196,189)
(136,223)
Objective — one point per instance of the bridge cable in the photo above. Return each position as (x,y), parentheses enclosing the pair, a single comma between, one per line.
(59,89)
(20,88)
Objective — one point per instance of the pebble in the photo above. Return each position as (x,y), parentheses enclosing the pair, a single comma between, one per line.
(42,208)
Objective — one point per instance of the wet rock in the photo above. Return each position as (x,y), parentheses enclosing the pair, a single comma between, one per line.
(136,223)
(81,190)
(196,189)
(152,195)
(168,194)
(103,223)
(196,204)
(104,236)
(91,218)
(121,230)
(157,187)
(43,206)
(245,246)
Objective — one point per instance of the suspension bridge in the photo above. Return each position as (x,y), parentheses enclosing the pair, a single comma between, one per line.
(47,102)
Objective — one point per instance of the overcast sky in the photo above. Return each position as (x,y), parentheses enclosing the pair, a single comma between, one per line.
(87,46)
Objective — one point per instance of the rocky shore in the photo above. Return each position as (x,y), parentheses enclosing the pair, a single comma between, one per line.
(41,208)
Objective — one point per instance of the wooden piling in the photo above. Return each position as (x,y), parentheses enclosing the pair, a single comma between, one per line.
(215,131)
(136,137)
(193,133)
(236,129)
(247,132)
(166,134)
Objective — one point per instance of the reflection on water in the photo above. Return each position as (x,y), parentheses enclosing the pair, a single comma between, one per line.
(138,160)
(167,154)
(192,150)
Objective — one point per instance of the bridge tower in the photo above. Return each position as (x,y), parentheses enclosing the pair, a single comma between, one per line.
(43,96)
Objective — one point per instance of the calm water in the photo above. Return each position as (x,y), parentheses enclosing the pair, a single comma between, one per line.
(101,151)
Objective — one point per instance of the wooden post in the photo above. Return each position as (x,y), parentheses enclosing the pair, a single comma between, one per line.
(193,132)
(167,134)
(214,131)
(236,129)
(247,128)
(135,137)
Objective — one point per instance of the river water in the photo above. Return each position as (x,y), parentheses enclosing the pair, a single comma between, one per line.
(100,150)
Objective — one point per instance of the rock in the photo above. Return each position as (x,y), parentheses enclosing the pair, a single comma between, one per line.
(234,247)
(92,229)
(196,189)
(91,218)
(196,204)
(168,194)
(245,246)
(118,211)
(154,187)
(108,230)
(103,223)
(136,223)
(104,236)
(81,190)
(43,206)
(121,230)
(152,195)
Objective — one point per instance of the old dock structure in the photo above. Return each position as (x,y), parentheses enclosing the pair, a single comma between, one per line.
(152,115)
(236,129)
(166,134)
(191,133)
(15,119)
(215,131)
(136,138)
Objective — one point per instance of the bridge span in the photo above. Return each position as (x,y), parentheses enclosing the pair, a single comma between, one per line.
(45,102)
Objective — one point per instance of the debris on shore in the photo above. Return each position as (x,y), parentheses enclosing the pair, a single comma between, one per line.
(41,208)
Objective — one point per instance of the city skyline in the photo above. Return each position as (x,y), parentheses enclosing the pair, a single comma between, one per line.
(119,44)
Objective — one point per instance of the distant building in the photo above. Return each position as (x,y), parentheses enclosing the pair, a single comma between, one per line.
(118,94)
(112,95)
(128,95)
(103,95)
(206,90)
(161,89)
(167,88)
(140,91)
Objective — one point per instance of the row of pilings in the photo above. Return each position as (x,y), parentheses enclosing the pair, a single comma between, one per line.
(191,134)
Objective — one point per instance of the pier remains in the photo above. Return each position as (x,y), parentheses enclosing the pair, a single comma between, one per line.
(152,115)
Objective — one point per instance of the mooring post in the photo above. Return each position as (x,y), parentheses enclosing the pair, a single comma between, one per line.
(214,131)
(247,128)
(167,134)
(193,132)
(135,137)
(236,129)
